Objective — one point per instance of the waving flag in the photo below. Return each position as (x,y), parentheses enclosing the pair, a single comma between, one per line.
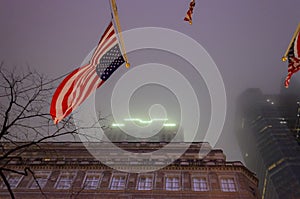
(188,16)
(293,59)
(83,81)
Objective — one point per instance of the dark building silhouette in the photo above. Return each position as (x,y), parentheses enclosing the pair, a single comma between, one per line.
(267,132)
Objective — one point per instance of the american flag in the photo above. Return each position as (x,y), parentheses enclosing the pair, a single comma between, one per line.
(83,81)
(188,16)
(294,60)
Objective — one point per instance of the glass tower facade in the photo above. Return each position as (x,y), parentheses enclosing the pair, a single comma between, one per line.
(267,131)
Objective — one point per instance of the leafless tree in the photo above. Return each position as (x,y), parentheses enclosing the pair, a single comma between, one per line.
(25,121)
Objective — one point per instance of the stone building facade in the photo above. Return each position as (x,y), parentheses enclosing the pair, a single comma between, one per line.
(68,170)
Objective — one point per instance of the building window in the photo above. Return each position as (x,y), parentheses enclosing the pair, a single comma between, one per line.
(92,180)
(145,183)
(172,183)
(41,180)
(200,184)
(252,190)
(65,180)
(228,185)
(13,180)
(118,182)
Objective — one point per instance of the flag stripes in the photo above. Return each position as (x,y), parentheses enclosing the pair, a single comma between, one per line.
(293,67)
(80,83)
(188,16)
(108,39)
(293,59)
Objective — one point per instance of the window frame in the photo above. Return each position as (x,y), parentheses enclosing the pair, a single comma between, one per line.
(92,173)
(174,176)
(115,175)
(17,184)
(68,173)
(39,173)
(144,188)
(228,188)
(205,177)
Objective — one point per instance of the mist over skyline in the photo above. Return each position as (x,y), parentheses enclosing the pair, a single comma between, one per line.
(246,40)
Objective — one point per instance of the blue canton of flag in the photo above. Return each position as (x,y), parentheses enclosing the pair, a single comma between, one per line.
(110,62)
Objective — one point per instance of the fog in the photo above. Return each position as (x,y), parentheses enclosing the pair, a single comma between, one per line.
(245,39)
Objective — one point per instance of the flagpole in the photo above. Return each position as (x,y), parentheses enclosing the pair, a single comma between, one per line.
(284,58)
(116,17)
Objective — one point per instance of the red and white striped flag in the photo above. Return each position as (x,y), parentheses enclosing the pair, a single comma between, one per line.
(293,59)
(188,16)
(83,81)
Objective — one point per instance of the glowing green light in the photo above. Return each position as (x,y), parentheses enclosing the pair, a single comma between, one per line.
(115,125)
(145,121)
(169,124)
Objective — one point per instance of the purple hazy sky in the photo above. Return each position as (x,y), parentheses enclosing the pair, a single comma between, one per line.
(245,38)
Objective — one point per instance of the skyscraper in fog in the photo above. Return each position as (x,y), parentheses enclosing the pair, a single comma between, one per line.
(267,130)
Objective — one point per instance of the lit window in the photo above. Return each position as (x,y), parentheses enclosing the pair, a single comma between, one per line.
(92,180)
(41,180)
(228,185)
(118,182)
(65,180)
(145,183)
(13,180)
(200,184)
(172,183)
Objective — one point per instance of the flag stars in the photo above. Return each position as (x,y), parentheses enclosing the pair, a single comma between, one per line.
(110,62)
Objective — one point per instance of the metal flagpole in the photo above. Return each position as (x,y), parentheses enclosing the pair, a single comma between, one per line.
(284,58)
(116,18)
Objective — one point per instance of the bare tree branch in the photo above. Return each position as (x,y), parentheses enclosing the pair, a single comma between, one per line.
(7,184)
(25,121)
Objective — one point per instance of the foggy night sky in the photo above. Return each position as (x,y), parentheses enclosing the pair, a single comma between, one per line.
(245,38)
